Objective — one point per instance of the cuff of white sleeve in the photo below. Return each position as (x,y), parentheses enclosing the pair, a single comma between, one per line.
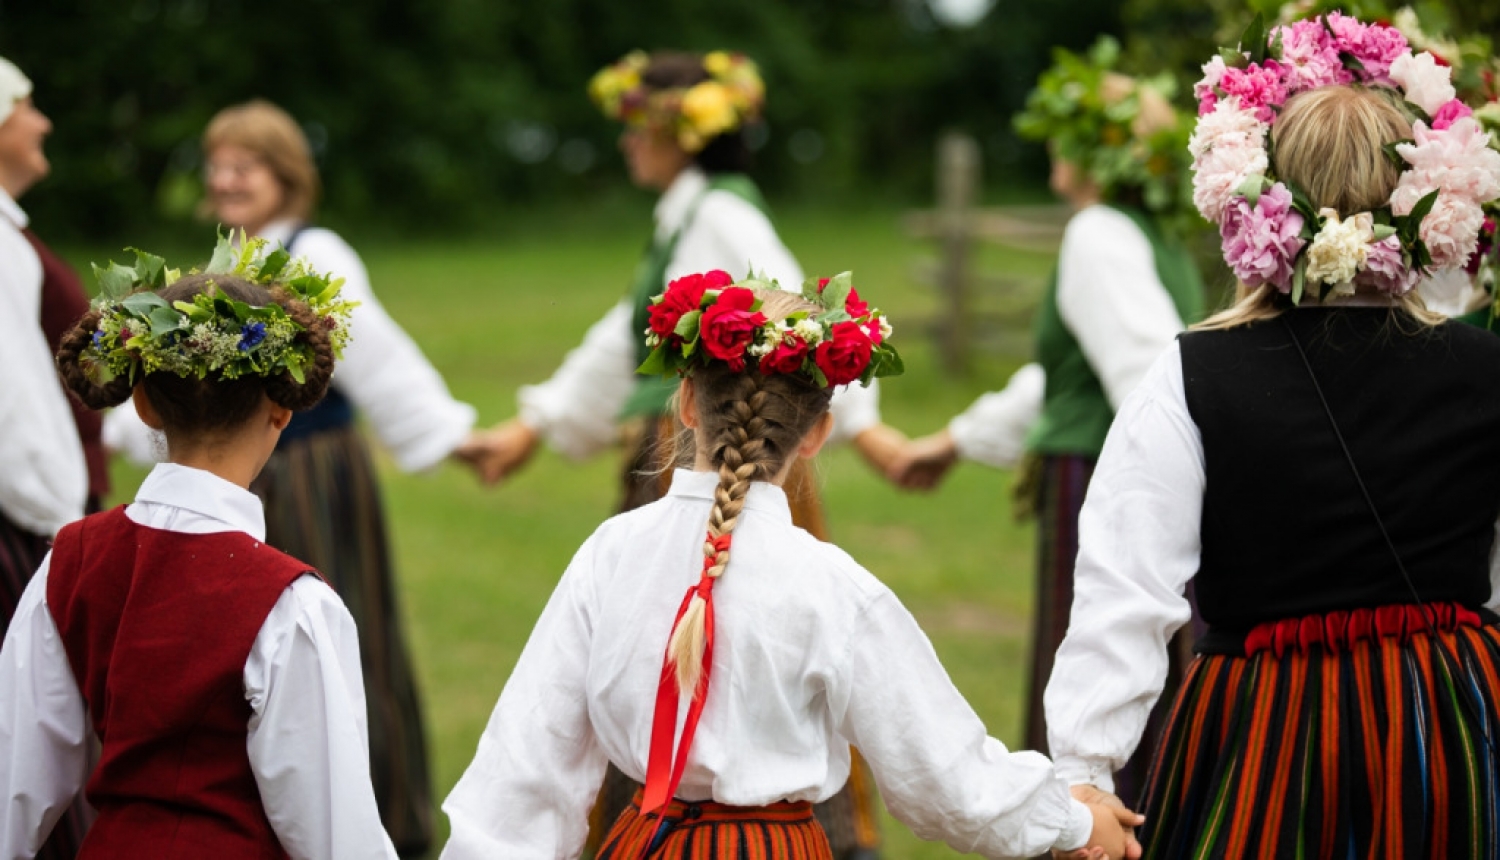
(1081,771)
(1080,828)
(424,453)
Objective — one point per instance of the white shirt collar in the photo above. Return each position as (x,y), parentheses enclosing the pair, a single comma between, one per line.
(675,203)
(765,497)
(205,494)
(11,211)
(279,231)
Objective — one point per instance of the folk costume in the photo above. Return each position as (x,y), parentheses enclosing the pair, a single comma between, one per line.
(702,221)
(322,502)
(1122,290)
(790,677)
(1321,471)
(254,746)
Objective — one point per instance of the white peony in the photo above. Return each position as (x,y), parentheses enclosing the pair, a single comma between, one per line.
(1427,84)
(1228,146)
(1338,252)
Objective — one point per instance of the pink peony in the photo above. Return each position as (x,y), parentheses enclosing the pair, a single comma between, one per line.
(1228,145)
(1451,231)
(1259,88)
(1450,113)
(1261,241)
(1386,270)
(1376,47)
(1456,159)
(1205,90)
(1310,57)
(1425,82)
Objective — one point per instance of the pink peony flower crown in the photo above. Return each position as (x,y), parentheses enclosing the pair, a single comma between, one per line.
(1271,233)
(708,317)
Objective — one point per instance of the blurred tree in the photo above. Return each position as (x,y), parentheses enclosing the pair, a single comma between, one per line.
(433,114)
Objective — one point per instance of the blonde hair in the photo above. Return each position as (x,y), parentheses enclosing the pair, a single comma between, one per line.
(754,424)
(1329,142)
(272,134)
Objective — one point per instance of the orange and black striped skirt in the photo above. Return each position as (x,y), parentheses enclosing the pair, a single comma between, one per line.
(1367,733)
(713,831)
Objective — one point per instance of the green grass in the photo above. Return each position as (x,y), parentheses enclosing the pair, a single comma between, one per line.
(477,565)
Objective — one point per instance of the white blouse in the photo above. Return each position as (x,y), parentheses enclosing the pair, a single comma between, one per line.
(307,738)
(43,478)
(1138,545)
(1112,300)
(576,410)
(383,371)
(811,653)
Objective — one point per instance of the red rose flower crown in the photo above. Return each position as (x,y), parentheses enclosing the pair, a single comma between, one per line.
(709,317)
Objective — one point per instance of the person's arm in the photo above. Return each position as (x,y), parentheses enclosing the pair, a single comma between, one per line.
(539,764)
(577,409)
(43,477)
(1112,300)
(1494,601)
(1138,545)
(938,770)
(993,430)
(307,741)
(383,371)
(44,730)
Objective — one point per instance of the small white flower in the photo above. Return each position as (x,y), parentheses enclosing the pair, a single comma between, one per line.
(653,339)
(809,331)
(885,329)
(761,349)
(1339,250)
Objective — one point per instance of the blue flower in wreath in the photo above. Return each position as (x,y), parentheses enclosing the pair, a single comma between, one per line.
(251,334)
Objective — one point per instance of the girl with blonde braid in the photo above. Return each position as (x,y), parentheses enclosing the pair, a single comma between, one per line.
(739,713)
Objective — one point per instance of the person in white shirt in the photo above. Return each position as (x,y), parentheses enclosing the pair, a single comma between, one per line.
(686,122)
(784,650)
(202,685)
(1122,290)
(44,469)
(260,178)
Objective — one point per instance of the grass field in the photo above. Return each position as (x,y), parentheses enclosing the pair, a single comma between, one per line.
(476,565)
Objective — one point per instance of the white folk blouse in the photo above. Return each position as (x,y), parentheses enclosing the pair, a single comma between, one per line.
(1112,300)
(812,653)
(1138,545)
(576,409)
(43,478)
(307,738)
(383,371)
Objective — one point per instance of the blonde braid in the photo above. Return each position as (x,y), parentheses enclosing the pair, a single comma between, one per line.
(744,454)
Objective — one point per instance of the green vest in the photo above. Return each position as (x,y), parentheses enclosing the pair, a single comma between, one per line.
(652,393)
(1075,411)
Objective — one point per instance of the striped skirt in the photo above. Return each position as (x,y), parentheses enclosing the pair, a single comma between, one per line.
(850,818)
(21,553)
(1061,484)
(713,831)
(323,506)
(1361,749)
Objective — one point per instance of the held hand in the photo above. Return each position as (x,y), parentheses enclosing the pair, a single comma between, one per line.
(879,446)
(922,463)
(498,452)
(1125,819)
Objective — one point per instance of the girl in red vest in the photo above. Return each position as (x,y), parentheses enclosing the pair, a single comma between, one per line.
(771,671)
(201,687)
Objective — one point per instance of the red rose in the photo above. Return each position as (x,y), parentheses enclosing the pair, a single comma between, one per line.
(844,357)
(728,326)
(682,296)
(787,357)
(854,306)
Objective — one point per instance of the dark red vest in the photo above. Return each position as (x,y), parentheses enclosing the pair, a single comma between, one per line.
(157,626)
(63,303)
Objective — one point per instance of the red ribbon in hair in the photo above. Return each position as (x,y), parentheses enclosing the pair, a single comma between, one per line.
(662,775)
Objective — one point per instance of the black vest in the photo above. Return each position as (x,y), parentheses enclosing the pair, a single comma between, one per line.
(1285,530)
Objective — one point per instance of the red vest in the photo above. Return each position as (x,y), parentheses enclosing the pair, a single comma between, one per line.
(63,303)
(157,626)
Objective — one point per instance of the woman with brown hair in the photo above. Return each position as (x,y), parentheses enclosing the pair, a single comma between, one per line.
(1318,461)
(320,490)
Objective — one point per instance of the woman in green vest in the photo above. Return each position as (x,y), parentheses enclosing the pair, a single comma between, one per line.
(686,118)
(1122,290)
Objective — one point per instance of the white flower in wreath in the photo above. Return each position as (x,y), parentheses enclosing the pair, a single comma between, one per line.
(1339,250)
(1426,84)
(809,331)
